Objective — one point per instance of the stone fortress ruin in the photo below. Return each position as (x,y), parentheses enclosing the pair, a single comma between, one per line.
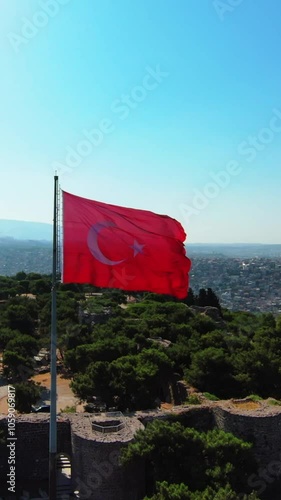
(93,443)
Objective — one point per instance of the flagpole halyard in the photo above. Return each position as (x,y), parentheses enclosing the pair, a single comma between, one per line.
(53,412)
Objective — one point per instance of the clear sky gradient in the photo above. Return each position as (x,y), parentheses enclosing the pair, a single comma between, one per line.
(173,107)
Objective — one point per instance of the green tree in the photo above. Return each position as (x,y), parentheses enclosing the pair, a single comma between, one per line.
(19,318)
(7,334)
(40,286)
(172,451)
(212,299)
(17,366)
(211,371)
(180,491)
(132,381)
(201,299)
(190,299)
(27,394)
(20,276)
(94,382)
(24,345)
(167,491)
(204,462)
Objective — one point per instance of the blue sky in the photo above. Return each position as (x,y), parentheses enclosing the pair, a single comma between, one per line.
(173,107)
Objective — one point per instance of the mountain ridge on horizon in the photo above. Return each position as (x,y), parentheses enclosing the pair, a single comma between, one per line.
(25,230)
(27,246)
(38,231)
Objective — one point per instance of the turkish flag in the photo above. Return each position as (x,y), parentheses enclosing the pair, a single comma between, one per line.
(116,247)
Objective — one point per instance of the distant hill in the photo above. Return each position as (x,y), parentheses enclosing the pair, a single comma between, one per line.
(27,246)
(21,255)
(22,230)
(233,250)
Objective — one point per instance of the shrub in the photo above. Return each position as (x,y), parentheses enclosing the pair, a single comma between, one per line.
(193,400)
(210,396)
(274,402)
(255,397)
(68,409)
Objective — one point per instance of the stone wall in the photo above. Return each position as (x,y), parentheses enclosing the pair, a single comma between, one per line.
(200,417)
(32,445)
(96,465)
(262,428)
(95,456)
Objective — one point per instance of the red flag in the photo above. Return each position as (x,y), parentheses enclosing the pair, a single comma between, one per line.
(116,247)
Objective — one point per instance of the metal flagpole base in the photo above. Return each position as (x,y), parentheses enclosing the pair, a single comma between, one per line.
(52,476)
(53,351)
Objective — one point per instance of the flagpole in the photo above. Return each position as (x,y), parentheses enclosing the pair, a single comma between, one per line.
(53,412)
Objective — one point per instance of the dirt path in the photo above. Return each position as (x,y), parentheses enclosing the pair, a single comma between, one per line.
(3,399)
(65,396)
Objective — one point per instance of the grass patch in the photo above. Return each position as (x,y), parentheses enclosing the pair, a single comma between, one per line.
(69,409)
(274,402)
(210,396)
(193,400)
(254,397)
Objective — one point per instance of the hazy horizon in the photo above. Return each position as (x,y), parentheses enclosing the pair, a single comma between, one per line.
(187,243)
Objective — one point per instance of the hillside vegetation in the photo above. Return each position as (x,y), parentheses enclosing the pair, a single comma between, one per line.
(129,351)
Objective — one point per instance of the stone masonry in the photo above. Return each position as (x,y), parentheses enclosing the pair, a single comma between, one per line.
(94,450)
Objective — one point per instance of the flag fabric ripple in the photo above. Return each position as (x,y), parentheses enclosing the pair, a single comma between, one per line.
(117,247)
